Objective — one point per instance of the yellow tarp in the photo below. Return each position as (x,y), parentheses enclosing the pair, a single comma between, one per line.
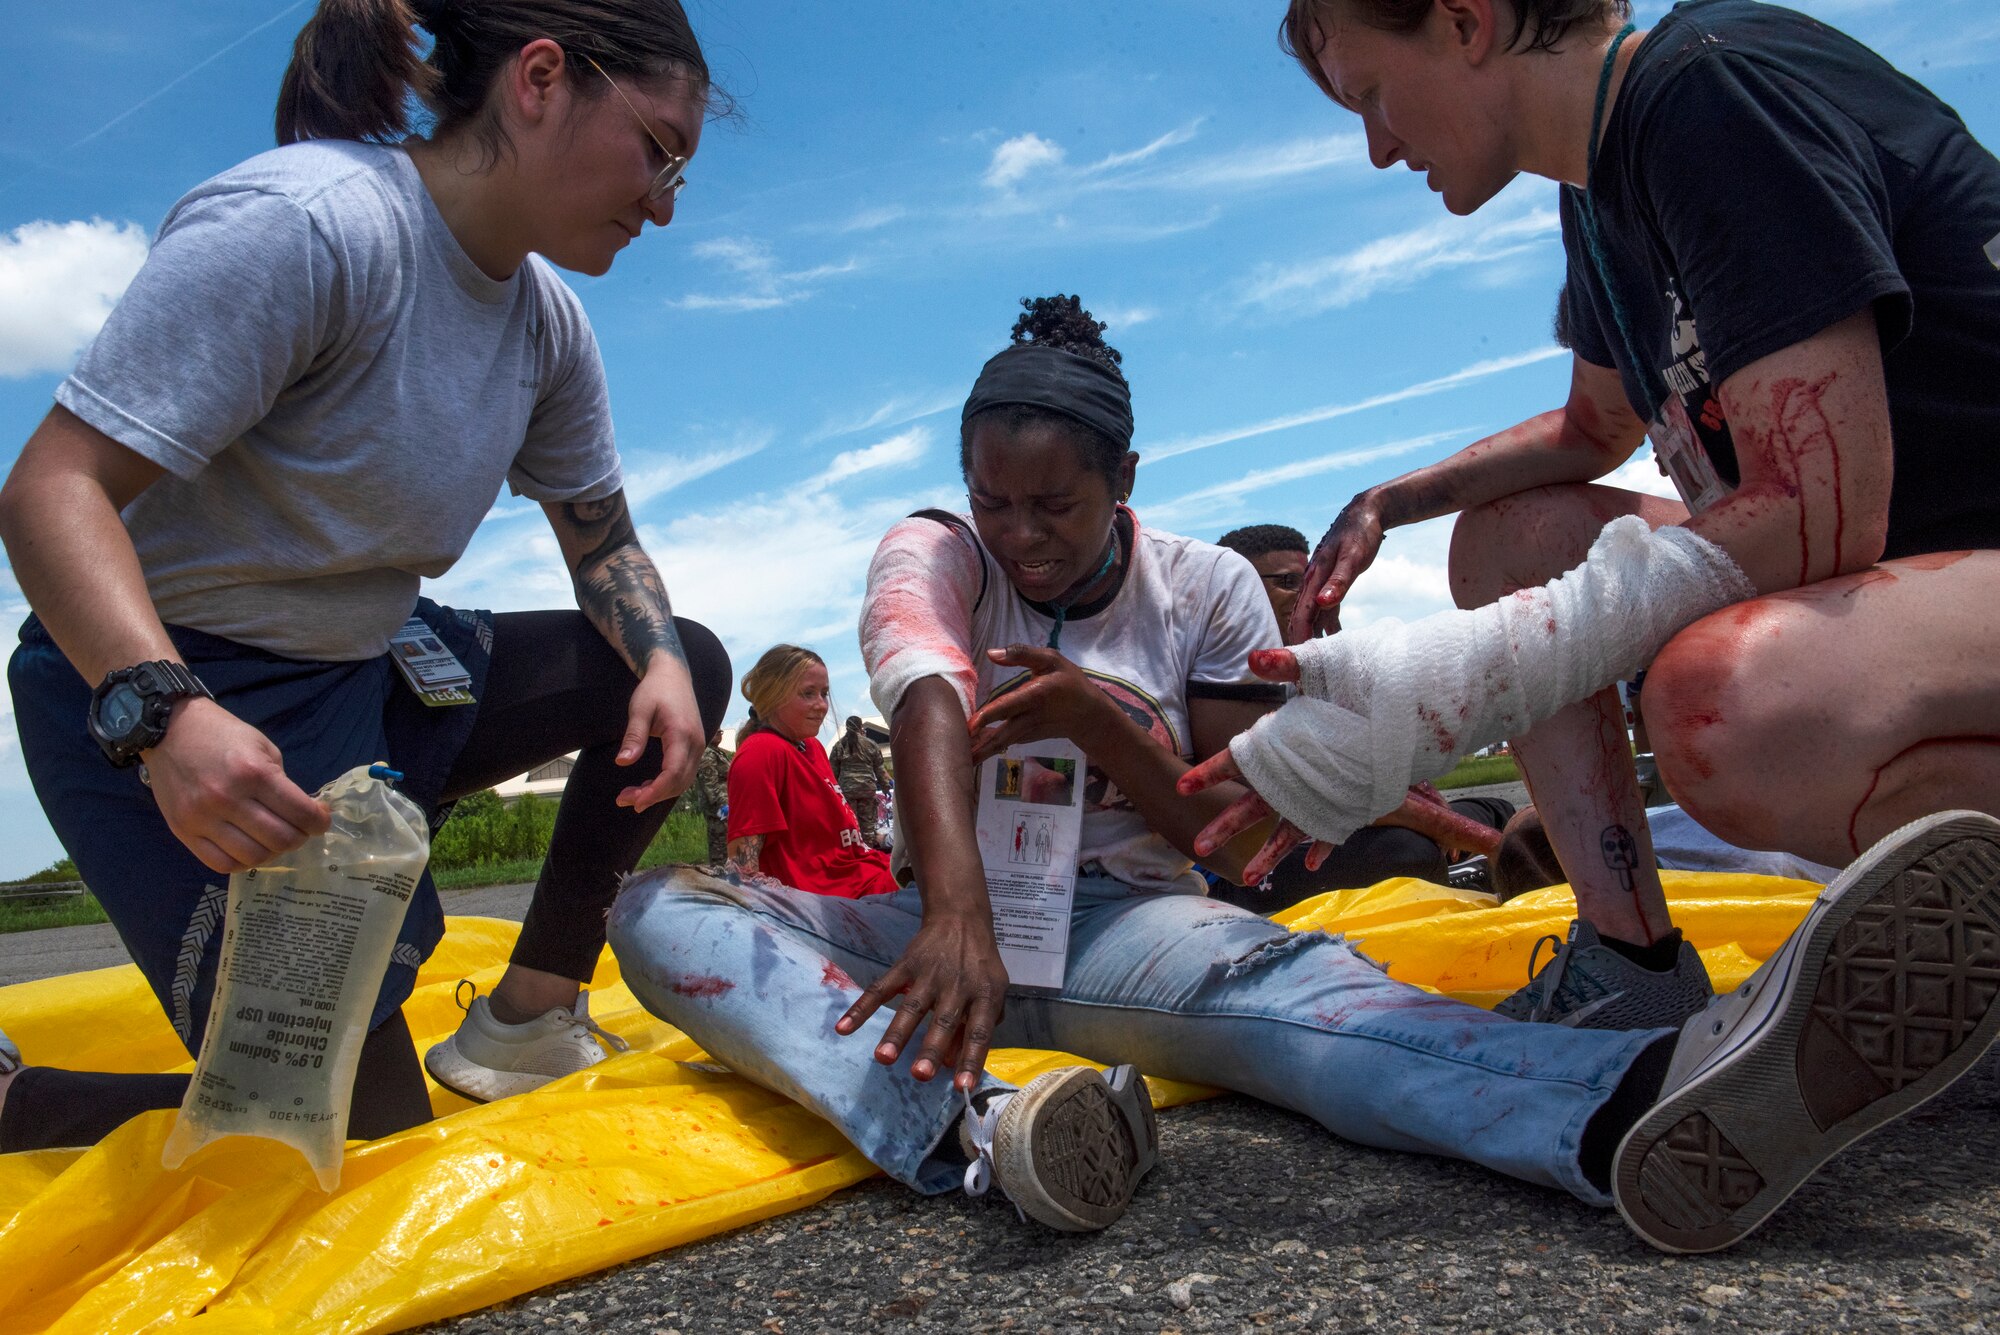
(639,1154)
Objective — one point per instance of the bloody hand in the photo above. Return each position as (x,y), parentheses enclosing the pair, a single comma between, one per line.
(952,972)
(1349,547)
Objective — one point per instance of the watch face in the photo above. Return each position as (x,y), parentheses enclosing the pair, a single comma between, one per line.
(121,710)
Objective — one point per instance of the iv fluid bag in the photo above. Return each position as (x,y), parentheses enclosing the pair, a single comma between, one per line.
(305,943)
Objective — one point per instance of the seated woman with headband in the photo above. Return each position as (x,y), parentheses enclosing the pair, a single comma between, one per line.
(1050,616)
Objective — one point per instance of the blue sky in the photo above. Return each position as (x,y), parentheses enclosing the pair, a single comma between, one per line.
(786,360)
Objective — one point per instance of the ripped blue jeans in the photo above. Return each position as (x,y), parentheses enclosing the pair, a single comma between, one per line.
(1178,985)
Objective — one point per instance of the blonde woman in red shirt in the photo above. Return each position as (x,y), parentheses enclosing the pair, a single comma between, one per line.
(787,817)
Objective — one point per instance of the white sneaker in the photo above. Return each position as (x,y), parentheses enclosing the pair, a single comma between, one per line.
(487,1060)
(1067,1149)
(1887,993)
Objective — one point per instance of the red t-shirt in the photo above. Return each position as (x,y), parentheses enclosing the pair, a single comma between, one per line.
(784,790)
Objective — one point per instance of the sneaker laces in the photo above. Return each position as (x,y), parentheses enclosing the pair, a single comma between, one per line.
(979,1129)
(581,1014)
(980,1126)
(1549,980)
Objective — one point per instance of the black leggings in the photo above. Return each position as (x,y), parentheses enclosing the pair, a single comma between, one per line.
(554,686)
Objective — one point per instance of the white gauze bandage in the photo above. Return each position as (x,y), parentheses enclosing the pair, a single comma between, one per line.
(1391,705)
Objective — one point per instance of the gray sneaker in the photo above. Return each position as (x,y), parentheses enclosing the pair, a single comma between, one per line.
(1887,993)
(10,1056)
(1588,985)
(1068,1148)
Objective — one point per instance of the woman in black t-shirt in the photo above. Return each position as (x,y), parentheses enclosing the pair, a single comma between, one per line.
(1782,268)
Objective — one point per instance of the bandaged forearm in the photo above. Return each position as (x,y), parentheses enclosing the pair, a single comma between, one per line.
(1391,705)
(916,619)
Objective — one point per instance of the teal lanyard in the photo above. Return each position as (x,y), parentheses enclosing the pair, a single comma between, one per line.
(1062,609)
(1593,241)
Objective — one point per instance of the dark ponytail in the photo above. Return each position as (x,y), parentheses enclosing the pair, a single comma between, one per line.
(353,68)
(357,64)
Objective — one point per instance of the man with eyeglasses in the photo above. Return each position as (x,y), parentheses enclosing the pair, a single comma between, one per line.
(1279,553)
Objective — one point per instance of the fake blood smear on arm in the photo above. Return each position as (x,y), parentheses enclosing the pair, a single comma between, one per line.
(918,603)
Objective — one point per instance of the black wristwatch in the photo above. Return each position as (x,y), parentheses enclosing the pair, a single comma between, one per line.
(130,707)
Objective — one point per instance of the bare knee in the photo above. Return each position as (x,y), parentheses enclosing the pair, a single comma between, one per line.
(1722,727)
(1523,540)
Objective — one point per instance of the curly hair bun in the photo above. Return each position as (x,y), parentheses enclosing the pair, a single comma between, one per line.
(1061,322)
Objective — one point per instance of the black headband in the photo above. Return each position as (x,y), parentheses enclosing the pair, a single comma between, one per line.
(1043,377)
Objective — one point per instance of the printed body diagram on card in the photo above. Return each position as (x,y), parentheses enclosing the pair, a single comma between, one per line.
(1030,827)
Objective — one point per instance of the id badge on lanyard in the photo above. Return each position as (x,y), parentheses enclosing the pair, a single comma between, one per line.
(428,667)
(1683,459)
(1030,823)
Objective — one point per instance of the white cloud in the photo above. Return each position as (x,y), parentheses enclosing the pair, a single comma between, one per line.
(1015,161)
(1641,473)
(1257,166)
(1219,499)
(1477,371)
(898,451)
(869,220)
(1397,261)
(786,564)
(1410,578)
(1171,139)
(1118,318)
(659,477)
(1019,156)
(58,282)
(892,412)
(764,285)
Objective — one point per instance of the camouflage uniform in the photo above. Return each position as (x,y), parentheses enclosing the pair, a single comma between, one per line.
(857,768)
(711,796)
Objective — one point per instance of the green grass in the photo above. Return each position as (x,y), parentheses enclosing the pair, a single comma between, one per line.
(684,838)
(1475,771)
(35,914)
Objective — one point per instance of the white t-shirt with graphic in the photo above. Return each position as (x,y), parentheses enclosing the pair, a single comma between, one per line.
(1181,624)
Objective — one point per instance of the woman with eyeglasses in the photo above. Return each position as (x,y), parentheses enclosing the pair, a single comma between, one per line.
(308,399)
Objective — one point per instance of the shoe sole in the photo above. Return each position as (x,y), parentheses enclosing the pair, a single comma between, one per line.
(1889,998)
(1072,1145)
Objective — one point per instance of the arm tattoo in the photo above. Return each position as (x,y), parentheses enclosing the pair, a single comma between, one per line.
(617,585)
(745,852)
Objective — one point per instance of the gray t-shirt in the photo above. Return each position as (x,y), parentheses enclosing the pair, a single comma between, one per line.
(336,393)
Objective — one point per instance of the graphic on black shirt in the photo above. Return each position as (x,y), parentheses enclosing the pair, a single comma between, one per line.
(1692,440)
